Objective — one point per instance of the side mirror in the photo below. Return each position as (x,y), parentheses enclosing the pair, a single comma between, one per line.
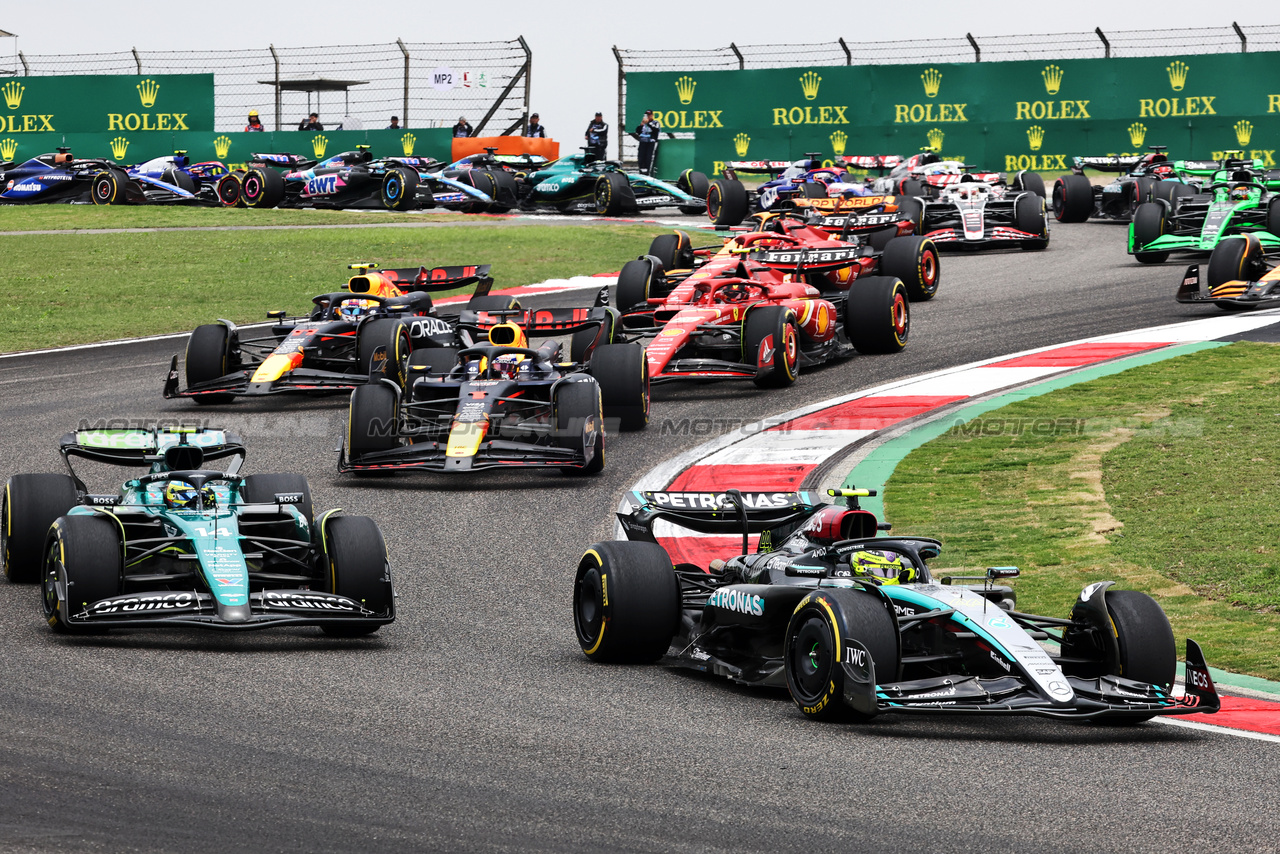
(994,572)
(278,314)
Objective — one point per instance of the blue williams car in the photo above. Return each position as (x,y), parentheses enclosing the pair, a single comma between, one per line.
(61,177)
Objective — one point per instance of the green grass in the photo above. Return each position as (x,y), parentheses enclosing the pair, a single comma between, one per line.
(1163,478)
(71,289)
(51,217)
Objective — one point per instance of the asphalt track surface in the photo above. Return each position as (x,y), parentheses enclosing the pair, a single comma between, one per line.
(474,721)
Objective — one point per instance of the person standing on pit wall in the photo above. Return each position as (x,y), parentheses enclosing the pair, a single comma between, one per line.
(647,135)
(535,130)
(395,123)
(461,129)
(311,122)
(597,136)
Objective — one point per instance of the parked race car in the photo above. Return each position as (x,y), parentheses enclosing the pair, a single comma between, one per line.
(210,182)
(373,324)
(187,545)
(972,214)
(1238,277)
(1236,201)
(1076,199)
(495,401)
(752,310)
(353,179)
(854,625)
(60,177)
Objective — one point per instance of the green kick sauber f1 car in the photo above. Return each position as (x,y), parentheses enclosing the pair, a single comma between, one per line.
(188,546)
(1211,200)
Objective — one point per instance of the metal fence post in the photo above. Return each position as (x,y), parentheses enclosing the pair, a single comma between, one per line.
(848,57)
(137,60)
(1106,44)
(741,62)
(276,58)
(26,69)
(622,97)
(1244,42)
(528,82)
(977,51)
(404,118)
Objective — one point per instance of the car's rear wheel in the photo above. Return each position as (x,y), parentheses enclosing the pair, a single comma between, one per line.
(228,190)
(32,502)
(482,180)
(815,647)
(626,602)
(877,316)
(771,334)
(727,202)
(1149,224)
(915,261)
(372,419)
(579,423)
(356,567)
(623,375)
(506,191)
(82,565)
(399,189)
(1032,182)
(1072,198)
(208,358)
(262,188)
(613,194)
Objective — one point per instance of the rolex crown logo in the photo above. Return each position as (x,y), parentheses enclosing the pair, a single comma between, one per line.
(1137,133)
(838,140)
(1035,137)
(1244,130)
(147,91)
(684,88)
(222,146)
(119,147)
(8,148)
(932,79)
(1178,74)
(406,143)
(318,143)
(935,137)
(1052,75)
(13,94)
(809,82)
(741,143)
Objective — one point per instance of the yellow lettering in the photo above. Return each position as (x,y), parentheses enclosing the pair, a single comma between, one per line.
(132,122)
(1082,107)
(1144,108)
(796,116)
(114,121)
(1207,103)
(918,113)
(717,167)
(1023,114)
(715,118)
(959,108)
(1010,161)
(840,119)
(46,122)
(824,115)
(162,121)
(900,111)
(28,123)
(1273,103)
(780,115)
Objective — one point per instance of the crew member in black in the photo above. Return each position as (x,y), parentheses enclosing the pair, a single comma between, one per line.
(311,122)
(535,129)
(462,129)
(647,136)
(597,136)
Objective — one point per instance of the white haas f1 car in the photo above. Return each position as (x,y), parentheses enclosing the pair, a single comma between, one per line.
(854,624)
(974,214)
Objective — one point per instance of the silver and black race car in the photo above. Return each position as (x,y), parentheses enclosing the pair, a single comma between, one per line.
(854,625)
(972,214)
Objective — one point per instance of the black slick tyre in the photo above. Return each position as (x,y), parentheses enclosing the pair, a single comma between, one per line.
(1231,261)
(1148,652)
(579,423)
(105,188)
(1139,192)
(262,188)
(912,209)
(815,646)
(1029,216)
(1072,198)
(613,194)
(727,202)
(674,250)
(82,566)
(399,189)
(635,285)
(626,602)
(1032,182)
(32,502)
(623,374)
(813,190)
(372,419)
(877,317)
(915,261)
(386,341)
(179,179)
(695,184)
(771,334)
(356,567)
(208,358)
(1148,224)
(482,180)
(1273,216)
(505,191)
(911,187)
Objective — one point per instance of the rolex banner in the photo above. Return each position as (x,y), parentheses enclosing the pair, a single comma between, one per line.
(999,115)
(106,103)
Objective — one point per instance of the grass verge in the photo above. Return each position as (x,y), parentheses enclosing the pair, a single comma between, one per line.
(1162,478)
(77,288)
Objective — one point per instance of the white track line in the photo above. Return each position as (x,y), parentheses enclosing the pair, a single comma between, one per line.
(1238,733)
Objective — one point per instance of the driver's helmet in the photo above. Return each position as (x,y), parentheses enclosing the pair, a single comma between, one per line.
(180,495)
(508,365)
(1240,192)
(884,565)
(735,292)
(824,177)
(354,309)
(964,192)
(1162,169)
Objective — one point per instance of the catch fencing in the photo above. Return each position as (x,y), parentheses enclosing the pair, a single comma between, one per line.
(651,79)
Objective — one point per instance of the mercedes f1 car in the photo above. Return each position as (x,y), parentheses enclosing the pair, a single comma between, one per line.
(353,179)
(1076,199)
(1239,277)
(1184,217)
(374,323)
(497,402)
(854,624)
(60,177)
(752,309)
(188,545)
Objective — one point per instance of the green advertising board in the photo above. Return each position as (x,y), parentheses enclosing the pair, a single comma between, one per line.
(1001,115)
(106,103)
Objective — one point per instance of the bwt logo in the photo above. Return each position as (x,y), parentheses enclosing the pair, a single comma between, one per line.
(322,185)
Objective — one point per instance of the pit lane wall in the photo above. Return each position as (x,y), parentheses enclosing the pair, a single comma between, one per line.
(1001,115)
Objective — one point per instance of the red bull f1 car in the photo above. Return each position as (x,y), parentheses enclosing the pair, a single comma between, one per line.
(374,323)
(855,625)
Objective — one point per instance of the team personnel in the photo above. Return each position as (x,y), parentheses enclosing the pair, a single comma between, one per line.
(395,123)
(647,136)
(597,136)
(311,122)
(535,130)
(254,122)
(462,129)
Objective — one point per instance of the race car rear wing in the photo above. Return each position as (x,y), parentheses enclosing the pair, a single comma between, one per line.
(539,321)
(283,161)
(880,162)
(1105,163)
(162,448)
(758,167)
(728,512)
(428,278)
(810,260)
